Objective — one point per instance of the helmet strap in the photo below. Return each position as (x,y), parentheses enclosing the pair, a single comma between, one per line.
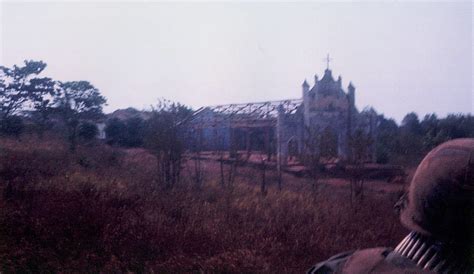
(431,254)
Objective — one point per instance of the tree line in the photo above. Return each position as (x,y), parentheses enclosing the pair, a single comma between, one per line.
(403,143)
(43,101)
(414,137)
(37,104)
(26,95)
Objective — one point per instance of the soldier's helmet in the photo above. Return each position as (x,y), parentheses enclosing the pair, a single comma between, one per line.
(440,200)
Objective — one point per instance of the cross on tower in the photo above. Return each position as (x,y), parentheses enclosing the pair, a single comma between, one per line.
(327,60)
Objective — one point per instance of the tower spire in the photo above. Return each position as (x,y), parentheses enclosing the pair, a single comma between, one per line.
(327,60)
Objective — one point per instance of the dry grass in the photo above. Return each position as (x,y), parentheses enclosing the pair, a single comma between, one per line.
(101,210)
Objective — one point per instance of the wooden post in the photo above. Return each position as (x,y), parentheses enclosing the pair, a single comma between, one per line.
(279,167)
(263,186)
(232,144)
(267,143)
(222,168)
(232,158)
(247,142)
(278,145)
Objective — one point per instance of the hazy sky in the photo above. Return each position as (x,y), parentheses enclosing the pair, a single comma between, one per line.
(400,56)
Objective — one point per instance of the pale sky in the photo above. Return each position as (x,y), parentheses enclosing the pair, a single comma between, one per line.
(400,56)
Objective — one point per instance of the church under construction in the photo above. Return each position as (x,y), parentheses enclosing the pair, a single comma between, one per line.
(288,128)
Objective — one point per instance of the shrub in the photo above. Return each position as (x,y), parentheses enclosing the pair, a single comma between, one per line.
(87,131)
(128,133)
(115,131)
(12,126)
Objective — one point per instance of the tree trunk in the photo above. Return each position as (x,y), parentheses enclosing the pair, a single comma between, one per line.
(263,186)
(222,170)
(72,139)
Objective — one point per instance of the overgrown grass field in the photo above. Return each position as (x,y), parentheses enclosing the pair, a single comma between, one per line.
(102,210)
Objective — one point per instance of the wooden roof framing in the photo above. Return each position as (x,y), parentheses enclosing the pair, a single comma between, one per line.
(246,115)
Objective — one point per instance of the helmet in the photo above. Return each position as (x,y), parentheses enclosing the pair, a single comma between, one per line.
(441,195)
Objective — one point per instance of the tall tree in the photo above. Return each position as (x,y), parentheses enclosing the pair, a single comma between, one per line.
(20,86)
(457,126)
(78,101)
(411,139)
(411,123)
(163,138)
(430,129)
(387,141)
(359,143)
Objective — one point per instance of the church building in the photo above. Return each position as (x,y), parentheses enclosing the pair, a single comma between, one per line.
(325,115)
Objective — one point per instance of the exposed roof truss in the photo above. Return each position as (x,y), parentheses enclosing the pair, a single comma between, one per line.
(258,114)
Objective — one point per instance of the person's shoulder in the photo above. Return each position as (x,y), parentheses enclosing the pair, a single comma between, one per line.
(380,260)
(331,265)
(355,261)
(371,260)
(366,260)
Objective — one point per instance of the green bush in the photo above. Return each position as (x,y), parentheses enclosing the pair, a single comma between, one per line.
(88,131)
(12,126)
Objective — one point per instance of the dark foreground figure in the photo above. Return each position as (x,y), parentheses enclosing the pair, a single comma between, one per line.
(439,211)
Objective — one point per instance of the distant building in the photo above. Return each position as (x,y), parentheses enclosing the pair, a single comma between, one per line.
(325,111)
